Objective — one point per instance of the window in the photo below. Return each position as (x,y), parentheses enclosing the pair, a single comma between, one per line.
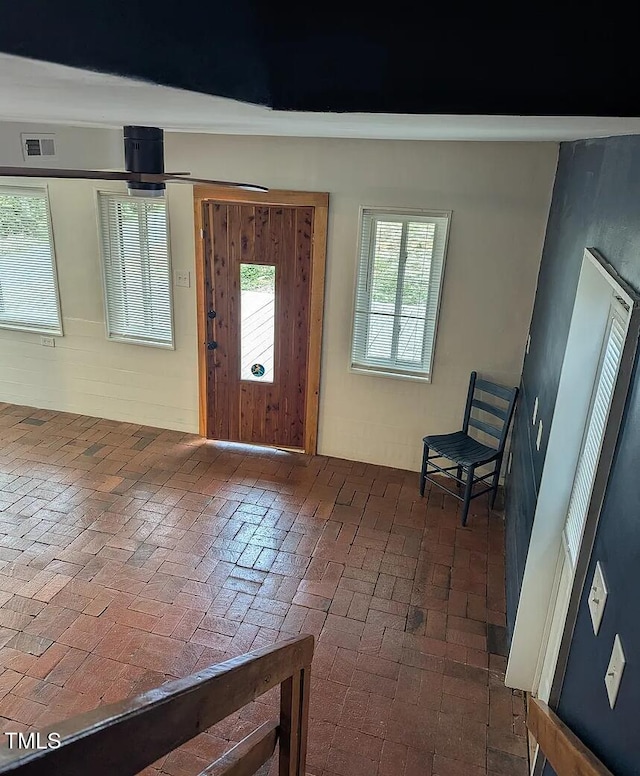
(137,271)
(28,281)
(596,426)
(398,292)
(257,321)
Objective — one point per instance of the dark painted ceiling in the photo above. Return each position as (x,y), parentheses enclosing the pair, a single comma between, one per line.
(459,58)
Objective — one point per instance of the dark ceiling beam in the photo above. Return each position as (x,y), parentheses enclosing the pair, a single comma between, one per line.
(419,57)
(210,47)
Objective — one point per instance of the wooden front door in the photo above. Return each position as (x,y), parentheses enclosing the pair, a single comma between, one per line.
(258,316)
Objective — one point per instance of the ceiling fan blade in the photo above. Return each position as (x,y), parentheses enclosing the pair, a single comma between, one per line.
(109,175)
(46,172)
(169,177)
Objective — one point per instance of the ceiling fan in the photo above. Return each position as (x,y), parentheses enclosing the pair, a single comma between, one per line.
(144,163)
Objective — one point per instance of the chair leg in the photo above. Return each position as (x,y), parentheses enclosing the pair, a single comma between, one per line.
(468,488)
(423,471)
(459,476)
(495,481)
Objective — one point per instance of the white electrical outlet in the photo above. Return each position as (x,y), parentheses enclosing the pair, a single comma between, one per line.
(597,598)
(535,412)
(182,278)
(613,677)
(539,437)
(48,342)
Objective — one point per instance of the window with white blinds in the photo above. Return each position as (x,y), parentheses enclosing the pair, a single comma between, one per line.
(28,282)
(594,432)
(400,270)
(137,269)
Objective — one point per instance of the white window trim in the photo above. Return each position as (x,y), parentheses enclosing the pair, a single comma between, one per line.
(389,372)
(122,194)
(59,331)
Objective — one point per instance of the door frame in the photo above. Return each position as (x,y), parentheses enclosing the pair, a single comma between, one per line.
(320,202)
(581,360)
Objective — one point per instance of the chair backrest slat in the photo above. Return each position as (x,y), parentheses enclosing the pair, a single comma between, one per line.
(491,408)
(486,427)
(503,414)
(494,389)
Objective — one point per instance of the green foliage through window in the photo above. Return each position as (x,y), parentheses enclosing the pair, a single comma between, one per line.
(28,292)
(256,277)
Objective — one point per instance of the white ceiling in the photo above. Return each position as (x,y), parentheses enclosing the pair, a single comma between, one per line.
(32,91)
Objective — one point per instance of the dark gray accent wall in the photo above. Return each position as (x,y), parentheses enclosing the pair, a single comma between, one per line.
(596,203)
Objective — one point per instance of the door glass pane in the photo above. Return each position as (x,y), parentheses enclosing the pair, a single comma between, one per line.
(257,321)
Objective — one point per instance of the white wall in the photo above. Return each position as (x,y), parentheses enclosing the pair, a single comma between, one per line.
(499,194)
(89,149)
(85,372)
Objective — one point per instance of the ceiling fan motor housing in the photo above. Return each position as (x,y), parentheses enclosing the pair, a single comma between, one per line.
(144,152)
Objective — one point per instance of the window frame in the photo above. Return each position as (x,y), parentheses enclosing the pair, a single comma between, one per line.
(29,328)
(404,215)
(123,195)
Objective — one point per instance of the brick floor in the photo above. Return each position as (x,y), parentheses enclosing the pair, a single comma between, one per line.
(132,555)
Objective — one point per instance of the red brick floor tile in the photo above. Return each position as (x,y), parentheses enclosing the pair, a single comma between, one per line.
(504,764)
(350,764)
(319,745)
(460,738)
(29,644)
(467,689)
(349,740)
(16,660)
(21,709)
(8,680)
(452,704)
(183,763)
(44,664)
(505,741)
(149,554)
(393,759)
(354,708)
(377,716)
(344,664)
(445,766)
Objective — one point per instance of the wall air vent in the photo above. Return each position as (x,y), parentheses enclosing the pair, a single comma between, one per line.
(36,146)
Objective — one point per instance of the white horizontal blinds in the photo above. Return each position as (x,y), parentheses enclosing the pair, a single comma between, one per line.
(594,433)
(398,289)
(136,269)
(28,283)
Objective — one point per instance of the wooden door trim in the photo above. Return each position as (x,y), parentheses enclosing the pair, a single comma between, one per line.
(201,315)
(273,197)
(320,202)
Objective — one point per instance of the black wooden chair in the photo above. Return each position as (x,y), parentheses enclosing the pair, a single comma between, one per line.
(468,453)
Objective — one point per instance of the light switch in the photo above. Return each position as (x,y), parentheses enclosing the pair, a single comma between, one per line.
(535,412)
(182,278)
(613,677)
(539,437)
(597,598)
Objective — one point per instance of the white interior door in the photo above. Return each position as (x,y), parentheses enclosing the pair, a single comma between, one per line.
(595,425)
